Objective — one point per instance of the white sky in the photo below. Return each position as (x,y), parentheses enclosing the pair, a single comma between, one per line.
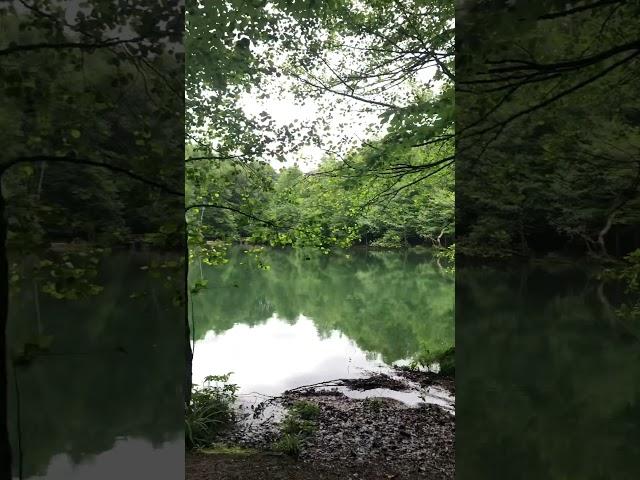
(286,109)
(347,126)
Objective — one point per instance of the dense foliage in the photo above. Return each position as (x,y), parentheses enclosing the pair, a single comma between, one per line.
(547,123)
(324,209)
(211,411)
(91,105)
(385,67)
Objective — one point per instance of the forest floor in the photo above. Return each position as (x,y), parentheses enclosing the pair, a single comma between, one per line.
(372,438)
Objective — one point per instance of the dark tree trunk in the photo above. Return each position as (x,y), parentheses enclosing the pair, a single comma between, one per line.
(524,247)
(602,233)
(5,445)
(188,364)
(188,367)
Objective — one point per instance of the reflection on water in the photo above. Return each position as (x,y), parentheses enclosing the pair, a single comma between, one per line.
(548,379)
(274,356)
(107,389)
(128,459)
(312,317)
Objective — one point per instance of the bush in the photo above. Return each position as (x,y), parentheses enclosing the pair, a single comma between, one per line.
(375,404)
(445,359)
(448,256)
(306,410)
(210,412)
(390,239)
(629,274)
(289,444)
(299,422)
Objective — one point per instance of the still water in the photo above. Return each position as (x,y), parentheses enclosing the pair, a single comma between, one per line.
(103,399)
(311,317)
(548,376)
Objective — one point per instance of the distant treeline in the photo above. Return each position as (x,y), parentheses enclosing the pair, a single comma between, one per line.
(49,203)
(327,207)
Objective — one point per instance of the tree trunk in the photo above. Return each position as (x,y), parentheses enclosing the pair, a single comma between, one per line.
(188,353)
(41,181)
(5,444)
(609,314)
(440,237)
(588,243)
(603,232)
(623,198)
(524,247)
(36,301)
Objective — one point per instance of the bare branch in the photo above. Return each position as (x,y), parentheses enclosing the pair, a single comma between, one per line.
(92,163)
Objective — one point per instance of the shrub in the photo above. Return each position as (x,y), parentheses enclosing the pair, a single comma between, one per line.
(289,444)
(306,410)
(299,422)
(390,239)
(445,359)
(210,412)
(374,404)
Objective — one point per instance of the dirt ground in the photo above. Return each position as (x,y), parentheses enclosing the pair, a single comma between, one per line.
(353,439)
(264,466)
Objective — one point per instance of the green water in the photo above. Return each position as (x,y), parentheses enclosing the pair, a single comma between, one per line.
(313,317)
(104,400)
(548,377)
(107,390)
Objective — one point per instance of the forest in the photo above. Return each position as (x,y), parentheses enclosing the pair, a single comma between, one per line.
(376,91)
(313,171)
(547,131)
(320,197)
(321,208)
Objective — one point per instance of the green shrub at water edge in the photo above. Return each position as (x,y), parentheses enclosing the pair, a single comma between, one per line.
(389,240)
(306,410)
(375,404)
(448,255)
(210,412)
(299,422)
(445,359)
(289,444)
(627,272)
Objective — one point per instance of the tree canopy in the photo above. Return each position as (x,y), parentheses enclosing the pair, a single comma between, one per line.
(385,66)
(547,129)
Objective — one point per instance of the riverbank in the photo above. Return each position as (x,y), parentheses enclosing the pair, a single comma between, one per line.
(358,431)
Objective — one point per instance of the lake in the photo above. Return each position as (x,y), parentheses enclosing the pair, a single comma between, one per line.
(547,378)
(311,317)
(104,400)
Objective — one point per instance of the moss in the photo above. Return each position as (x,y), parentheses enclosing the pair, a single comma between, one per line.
(229,450)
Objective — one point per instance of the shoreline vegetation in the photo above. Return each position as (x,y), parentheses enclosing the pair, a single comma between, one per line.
(319,432)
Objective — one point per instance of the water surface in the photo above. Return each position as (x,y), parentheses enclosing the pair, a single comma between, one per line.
(548,377)
(104,399)
(312,317)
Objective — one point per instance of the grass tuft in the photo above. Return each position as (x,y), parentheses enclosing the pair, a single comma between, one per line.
(211,411)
